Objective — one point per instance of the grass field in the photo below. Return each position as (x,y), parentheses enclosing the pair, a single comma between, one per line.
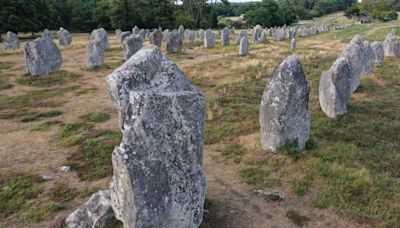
(348,176)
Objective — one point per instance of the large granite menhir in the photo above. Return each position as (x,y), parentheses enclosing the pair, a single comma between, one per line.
(42,57)
(101,35)
(335,88)
(11,42)
(285,112)
(159,176)
(64,37)
(95,53)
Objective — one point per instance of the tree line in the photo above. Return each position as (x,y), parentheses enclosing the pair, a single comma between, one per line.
(85,15)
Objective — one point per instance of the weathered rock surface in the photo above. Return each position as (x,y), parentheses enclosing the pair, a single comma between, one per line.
(156,38)
(95,213)
(173,44)
(244,46)
(11,42)
(158,167)
(293,43)
(94,54)
(47,34)
(102,36)
(225,33)
(242,33)
(135,30)
(42,57)
(370,58)
(391,44)
(64,37)
(379,52)
(132,44)
(356,55)
(124,35)
(257,31)
(335,88)
(209,39)
(285,112)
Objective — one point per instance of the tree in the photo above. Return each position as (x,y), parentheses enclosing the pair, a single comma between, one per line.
(266,14)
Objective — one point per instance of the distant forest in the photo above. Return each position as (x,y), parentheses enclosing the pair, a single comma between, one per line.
(85,15)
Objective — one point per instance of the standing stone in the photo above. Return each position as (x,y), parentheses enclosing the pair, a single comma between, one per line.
(225,40)
(102,36)
(124,35)
(201,34)
(96,212)
(242,33)
(11,42)
(391,45)
(135,30)
(42,57)
(209,39)
(263,37)
(173,45)
(181,33)
(244,46)
(257,33)
(64,37)
(118,33)
(370,58)
(47,34)
(142,34)
(156,38)
(355,54)
(191,37)
(94,54)
(379,52)
(335,88)
(159,176)
(132,44)
(293,43)
(285,112)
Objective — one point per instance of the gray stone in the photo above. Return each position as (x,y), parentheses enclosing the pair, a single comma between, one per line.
(209,39)
(335,88)
(42,57)
(135,30)
(158,167)
(123,36)
(11,42)
(102,36)
(370,58)
(242,33)
(173,44)
(293,43)
(95,213)
(142,34)
(47,34)
(257,31)
(201,34)
(391,45)
(94,54)
(356,56)
(244,46)
(225,40)
(156,38)
(191,37)
(64,169)
(118,33)
(263,37)
(379,52)
(285,111)
(181,33)
(132,44)
(64,37)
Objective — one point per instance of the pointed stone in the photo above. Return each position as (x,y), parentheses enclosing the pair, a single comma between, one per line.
(285,111)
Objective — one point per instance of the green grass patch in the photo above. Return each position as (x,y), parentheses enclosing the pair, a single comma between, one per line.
(29,117)
(96,117)
(234,152)
(45,126)
(4,84)
(41,98)
(259,175)
(5,65)
(56,78)
(15,193)
(93,159)
(74,128)
(63,194)
(55,206)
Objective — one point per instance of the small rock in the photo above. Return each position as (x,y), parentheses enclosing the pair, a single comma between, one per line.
(64,169)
